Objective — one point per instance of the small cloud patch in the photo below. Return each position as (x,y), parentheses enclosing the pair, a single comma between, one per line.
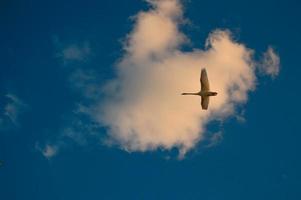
(73,52)
(270,64)
(11,111)
(48,151)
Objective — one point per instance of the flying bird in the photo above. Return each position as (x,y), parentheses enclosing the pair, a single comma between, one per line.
(205,92)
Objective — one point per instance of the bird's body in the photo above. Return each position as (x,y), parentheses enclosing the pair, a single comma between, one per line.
(205,92)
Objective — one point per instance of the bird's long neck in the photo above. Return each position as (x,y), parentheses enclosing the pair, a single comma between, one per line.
(197,93)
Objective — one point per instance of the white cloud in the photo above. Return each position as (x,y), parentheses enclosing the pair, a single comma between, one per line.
(142,108)
(145,110)
(270,64)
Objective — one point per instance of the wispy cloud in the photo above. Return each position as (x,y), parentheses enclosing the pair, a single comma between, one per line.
(76,131)
(74,52)
(215,139)
(85,82)
(270,64)
(12,110)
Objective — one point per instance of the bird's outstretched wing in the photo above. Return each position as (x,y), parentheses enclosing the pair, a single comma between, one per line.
(205,103)
(204,81)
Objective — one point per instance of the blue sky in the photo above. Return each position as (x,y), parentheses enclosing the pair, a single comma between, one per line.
(55,57)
